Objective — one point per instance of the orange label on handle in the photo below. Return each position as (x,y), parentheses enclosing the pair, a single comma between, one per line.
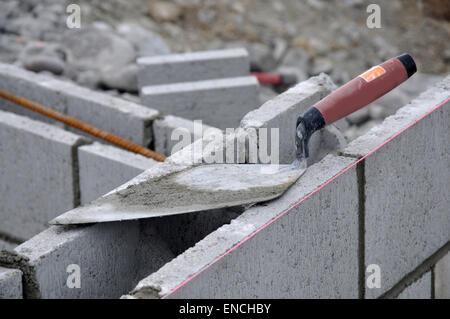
(373,73)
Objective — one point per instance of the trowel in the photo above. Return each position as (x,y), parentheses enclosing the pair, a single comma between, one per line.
(214,186)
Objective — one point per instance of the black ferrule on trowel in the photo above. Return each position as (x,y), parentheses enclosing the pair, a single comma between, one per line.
(308,123)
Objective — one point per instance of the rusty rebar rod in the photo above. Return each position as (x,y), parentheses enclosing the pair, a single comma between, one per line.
(87,128)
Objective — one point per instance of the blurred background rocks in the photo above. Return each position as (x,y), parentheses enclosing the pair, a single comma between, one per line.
(304,38)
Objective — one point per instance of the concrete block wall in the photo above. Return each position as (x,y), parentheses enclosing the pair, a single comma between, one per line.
(98,168)
(220,102)
(110,258)
(39,174)
(133,250)
(407,202)
(126,119)
(213,86)
(297,247)
(10,283)
(387,207)
(61,246)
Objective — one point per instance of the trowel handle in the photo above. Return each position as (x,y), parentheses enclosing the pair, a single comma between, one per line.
(366,88)
(356,94)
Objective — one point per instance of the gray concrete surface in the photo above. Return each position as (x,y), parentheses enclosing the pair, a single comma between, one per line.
(196,66)
(10,283)
(220,103)
(124,118)
(165,137)
(303,253)
(406,187)
(420,289)
(442,278)
(282,113)
(104,167)
(38,172)
(111,257)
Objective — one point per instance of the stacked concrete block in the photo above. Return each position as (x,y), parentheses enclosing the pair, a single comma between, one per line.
(173,131)
(126,119)
(103,168)
(442,278)
(197,66)
(306,249)
(406,186)
(99,261)
(39,174)
(420,289)
(282,113)
(220,102)
(10,283)
(111,257)
(213,86)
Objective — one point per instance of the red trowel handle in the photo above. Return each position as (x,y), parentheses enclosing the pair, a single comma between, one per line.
(356,94)
(366,88)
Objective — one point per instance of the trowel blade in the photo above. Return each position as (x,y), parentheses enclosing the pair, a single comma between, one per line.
(195,189)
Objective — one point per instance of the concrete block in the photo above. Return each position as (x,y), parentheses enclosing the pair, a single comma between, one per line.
(197,66)
(111,258)
(309,251)
(420,289)
(10,283)
(124,118)
(163,129)
(38,172)
(442,278)
(282,113)
(220,103)
(104,167)
(406,186)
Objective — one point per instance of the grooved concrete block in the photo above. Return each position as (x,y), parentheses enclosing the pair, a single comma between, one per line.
(39,174)
(282,113)
(111,258)
(10,283)
(442,278)
(309,251)
(197,66)
(220,103)
(420,289)
(124,118)
(406,186)
(172,130)
(104,167)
